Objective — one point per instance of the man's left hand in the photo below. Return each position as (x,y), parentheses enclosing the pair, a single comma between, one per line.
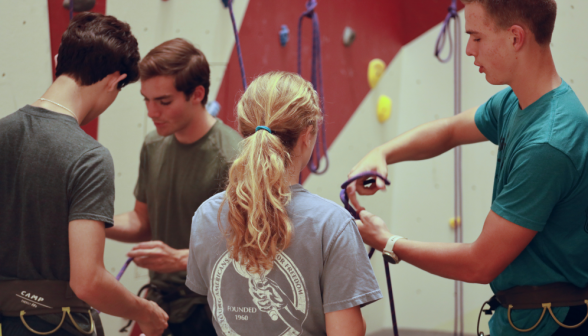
(159,257)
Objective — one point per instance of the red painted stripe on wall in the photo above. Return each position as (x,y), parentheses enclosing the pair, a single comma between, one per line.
(382,27)
(58,23)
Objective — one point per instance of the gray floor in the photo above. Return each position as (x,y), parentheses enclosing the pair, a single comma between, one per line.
(413,332)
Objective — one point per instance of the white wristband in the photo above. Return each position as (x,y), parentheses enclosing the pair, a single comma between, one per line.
(390,244)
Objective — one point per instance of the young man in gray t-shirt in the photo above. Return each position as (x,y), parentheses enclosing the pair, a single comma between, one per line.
(57,184)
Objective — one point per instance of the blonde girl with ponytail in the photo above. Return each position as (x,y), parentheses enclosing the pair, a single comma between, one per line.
(273,258)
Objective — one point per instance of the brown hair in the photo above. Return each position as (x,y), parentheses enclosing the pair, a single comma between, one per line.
(537,15)
(258,189)
(95,46)
(180,59)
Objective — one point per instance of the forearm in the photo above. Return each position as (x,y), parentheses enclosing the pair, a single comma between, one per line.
(104,293)
(128,228)
(420,143)
(458,261)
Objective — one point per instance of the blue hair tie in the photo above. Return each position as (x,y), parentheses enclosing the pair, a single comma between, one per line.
(265,128)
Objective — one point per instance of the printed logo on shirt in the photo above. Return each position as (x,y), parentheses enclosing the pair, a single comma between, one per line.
(280,304)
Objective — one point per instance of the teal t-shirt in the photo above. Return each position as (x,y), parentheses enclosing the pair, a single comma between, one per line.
(541,183)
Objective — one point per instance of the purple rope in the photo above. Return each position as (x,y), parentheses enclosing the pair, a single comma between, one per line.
(455,50)
(230,5)
(71,3)
(343,195)
(316,76)
(123,269)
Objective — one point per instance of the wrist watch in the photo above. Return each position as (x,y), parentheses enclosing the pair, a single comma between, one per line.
(388,252)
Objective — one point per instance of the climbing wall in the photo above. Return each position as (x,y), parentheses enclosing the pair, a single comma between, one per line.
(382,29)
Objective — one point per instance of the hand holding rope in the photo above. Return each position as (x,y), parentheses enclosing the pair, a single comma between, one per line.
(345,199)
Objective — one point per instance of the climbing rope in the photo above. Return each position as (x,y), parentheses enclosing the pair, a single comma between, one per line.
(345,199)
(123,269)
(316,76)
(71,12)
(455,51)
(229,4)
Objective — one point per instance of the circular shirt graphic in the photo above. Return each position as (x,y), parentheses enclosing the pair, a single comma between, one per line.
(276,299)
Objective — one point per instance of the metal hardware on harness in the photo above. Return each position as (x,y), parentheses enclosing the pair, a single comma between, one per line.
(537,297)
(66,310)
(22,313)
(345,199)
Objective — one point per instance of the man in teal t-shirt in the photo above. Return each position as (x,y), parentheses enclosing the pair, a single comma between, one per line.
(541,184)
(536,232)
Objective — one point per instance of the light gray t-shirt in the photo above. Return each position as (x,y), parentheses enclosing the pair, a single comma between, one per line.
(325,269)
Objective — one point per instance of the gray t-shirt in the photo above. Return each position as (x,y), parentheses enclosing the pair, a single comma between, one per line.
(325,269)
(51,173)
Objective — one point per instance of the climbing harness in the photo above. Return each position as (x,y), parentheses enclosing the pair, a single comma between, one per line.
(316,76)
(345,199)
(41,297)
(455,51)
(229,3)
(162,297)
(536,297)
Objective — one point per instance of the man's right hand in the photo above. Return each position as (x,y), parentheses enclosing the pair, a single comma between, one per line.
(155,321)
(373,230)
(374,161)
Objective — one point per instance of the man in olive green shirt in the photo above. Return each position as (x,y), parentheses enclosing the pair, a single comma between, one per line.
(182,164)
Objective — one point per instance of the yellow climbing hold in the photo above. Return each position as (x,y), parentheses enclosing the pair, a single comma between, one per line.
(375,70)
(384,108)
(452,222)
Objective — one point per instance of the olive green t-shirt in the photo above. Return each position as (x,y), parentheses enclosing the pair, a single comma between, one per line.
(174,179)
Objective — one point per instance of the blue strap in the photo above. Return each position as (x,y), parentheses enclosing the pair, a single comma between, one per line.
(71,11)
(265,128)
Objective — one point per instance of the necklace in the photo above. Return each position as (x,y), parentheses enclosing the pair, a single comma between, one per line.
(63,107)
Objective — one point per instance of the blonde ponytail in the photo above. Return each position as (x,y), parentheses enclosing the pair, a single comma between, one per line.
(259,188)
